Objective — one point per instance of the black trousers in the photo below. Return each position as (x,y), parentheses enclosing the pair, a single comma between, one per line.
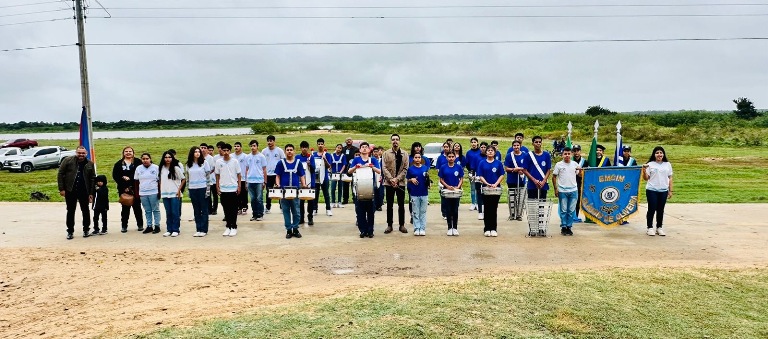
(96,214)
(73,199)
(243,198)
(229,203)
(491,203)
(480,200)
(346,185)
(578,197)
(452,212)
(364,210)
(270,184)
(309,209)
(125,211)
(391,191)
(213,200)
(326,197)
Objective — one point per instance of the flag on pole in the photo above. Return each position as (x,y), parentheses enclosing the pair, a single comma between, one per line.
(619,155)
(568,141)
(593,148)
(84,135)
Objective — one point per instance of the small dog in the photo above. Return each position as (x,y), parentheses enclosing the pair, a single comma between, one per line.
(39,196)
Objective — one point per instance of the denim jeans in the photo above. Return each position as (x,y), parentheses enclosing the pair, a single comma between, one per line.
(656,203)
(256,191)
(290,213)
(336,187)
(172,214)
(473,193)
(567,202)
(200,208)
(419,212)
(151,205)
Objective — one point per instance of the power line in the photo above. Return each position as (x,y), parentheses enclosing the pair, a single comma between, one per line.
(35,21)
(358,43)
(364,17)
(445,6)
(37,47)
(29,4)
(31,13)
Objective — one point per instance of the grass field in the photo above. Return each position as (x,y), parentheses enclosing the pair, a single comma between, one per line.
(634,303)
(702,174)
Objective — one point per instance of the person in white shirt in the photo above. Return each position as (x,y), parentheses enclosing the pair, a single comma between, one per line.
(228,185)
(148,176)
(213,196)
(564,182)
(171,184)
(273,154)
(242,208)
(198,173)
(255,174)
(658,173)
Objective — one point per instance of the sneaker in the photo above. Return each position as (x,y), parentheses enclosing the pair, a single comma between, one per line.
(480,216)
(233,232)
(455,232)
(124,230)
(315,212)
(450,232)
(288,234)
(141,228)
(96,232)
(226,232)
(563,231)
(267,212)
(487,233)
(472,207)
(328,213)
(70,236)
(415,232)
(542,233)
(259,219)
(341,206)
(296,233)
(103,232)
(422,232)
(252,219)
(175,234)
(494,234)
(167,234)
(650,231)
(568,231)
(86,235)
(311,222)
(519,218)
(660,232)
(202,234)
(196,235)
(445,218)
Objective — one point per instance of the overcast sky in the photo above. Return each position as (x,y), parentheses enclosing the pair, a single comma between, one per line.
(199,82)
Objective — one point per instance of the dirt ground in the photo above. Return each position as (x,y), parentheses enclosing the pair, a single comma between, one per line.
(119,284)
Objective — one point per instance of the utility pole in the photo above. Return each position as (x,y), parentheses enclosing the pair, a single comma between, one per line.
(84,87)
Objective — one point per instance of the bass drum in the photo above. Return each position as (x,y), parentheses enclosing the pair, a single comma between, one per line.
(363,182)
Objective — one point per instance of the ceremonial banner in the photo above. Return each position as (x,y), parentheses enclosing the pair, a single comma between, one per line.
(610,193)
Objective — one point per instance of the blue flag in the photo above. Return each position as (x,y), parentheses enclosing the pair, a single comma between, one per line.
(85,141)
(610,194)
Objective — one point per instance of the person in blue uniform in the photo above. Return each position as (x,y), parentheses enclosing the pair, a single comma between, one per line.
(491,173)
(364,208)
(452,177)
(417,178)
(290,173)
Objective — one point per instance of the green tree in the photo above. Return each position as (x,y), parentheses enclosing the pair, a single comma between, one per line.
(745,109)
(266,127)
(594,111)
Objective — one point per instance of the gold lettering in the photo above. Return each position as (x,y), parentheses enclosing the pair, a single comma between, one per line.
(612,177)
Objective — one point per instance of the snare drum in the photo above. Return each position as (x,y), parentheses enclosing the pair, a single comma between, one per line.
(346,178)
(290,193)
(363,183)
(451,194)
(485,190)
(275,193)
(307,194)
(335,176)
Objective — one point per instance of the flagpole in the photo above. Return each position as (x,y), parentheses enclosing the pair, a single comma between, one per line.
(617,155)
(84,86)
(570,128)
(597,124)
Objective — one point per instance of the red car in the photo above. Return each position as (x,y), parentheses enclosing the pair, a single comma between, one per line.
(20,143)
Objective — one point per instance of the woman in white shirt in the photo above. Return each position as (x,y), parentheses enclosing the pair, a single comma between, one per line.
(198,176)
(171,182)
(658,173)
(148,177)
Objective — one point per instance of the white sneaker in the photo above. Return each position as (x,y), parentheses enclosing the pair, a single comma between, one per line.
(267,211)
(415,232)
(259,219)
(226,232)
(175,234)
(455,232)
(328,213)
(472,207)
(487,233)
(202,234)
(660,232)
(480,216)
(651,232)
(191,220)
(445,218)
(197,234)
(450,232)
(166,234)
(423,232)
(314,213)
(494,234)
(233,232)
(341,205)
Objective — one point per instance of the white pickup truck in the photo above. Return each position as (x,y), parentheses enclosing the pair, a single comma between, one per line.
(37,158)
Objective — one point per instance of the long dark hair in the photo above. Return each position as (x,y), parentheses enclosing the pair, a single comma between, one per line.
(461,149)
(191,157)
(173,165)
(653,154)
(413,148)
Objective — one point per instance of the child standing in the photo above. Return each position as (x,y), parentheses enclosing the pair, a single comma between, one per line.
(100,205)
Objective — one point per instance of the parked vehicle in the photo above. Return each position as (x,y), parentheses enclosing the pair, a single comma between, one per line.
(37,158)
(20,143)
(8,152)
(433,150)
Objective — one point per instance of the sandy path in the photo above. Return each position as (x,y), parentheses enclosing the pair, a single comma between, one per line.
(119,284)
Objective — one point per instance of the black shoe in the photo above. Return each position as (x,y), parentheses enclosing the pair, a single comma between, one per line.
(563,231)
(71,236)
(95,232)
(296,233)
(568,231)
(311,222)
(147,230)
(213,213)
(388,230)
(403,229)
(370,235)
(124,230)
(288,235)
(157,230)
(103,231)
(363,235)
(141,228)
(301,222)
(86,235)
(542,233)
(531,233)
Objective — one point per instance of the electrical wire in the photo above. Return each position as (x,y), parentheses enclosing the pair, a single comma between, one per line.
(446,6)
(590,16)
(37,47)
(31,13)
(35,21)
(29,4)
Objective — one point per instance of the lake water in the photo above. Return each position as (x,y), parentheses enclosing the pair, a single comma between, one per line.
(131,134)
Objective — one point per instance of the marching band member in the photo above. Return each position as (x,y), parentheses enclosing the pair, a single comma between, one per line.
(491,172)
(658,188)
(306,158)
(472,154)
(538,170)
(478,185)
(452,177)
(417,188)
(513,165)
(288,173)
(338,165)
(323,182)
(364,208)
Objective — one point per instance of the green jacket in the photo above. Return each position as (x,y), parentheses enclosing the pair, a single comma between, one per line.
(68,173)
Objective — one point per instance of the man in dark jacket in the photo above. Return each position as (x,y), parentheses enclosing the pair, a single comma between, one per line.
(76,180)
